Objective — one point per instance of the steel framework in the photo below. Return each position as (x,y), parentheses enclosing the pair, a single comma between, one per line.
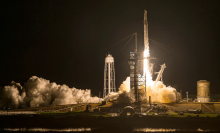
(109,76)
(136,73)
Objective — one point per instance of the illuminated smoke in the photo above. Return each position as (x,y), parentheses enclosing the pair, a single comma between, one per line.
(40,92)
(159,93)
(125,86)
(112,95)
(123,96)
(12,95)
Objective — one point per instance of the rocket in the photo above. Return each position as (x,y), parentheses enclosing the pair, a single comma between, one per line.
(146,41)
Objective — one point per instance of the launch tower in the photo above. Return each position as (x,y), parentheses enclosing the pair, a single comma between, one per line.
(136,73)
(136,60)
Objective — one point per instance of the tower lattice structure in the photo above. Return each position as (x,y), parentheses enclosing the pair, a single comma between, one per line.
(109,76)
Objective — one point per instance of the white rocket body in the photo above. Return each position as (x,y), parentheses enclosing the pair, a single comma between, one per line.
(146,40)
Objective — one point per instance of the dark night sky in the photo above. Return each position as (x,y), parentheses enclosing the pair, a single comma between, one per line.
(65,41)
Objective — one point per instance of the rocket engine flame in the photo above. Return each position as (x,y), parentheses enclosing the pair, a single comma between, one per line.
(160,93)
(149,81)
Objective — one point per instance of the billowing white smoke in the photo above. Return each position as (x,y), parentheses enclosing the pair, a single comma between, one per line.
(12,95)
(159,93)
(40,92)
(125,86)
(123,95)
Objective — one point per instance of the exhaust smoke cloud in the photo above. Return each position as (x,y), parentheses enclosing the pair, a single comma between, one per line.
(159,92)
(40,92)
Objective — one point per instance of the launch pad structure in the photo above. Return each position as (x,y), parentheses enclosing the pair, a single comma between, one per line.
(136,72)
(137,78)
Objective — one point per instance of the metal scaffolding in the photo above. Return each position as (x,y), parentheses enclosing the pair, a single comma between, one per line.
(109,76)
(136,73)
